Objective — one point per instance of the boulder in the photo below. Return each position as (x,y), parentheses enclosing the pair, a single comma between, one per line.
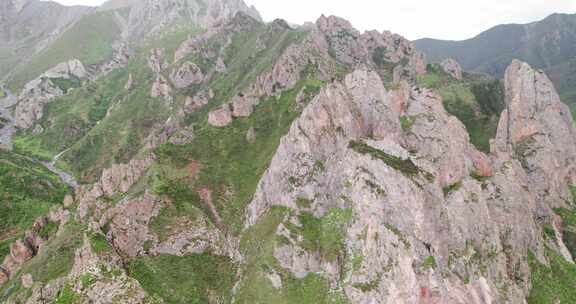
(251,135)
(220,117)
(243,106)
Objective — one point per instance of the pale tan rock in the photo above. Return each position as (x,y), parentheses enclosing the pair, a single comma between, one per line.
(68,201)
(251,135)
(220,117)
(27,281)
(129,83)
(242,105)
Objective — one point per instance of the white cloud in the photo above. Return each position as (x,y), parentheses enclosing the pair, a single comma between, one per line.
(445,19)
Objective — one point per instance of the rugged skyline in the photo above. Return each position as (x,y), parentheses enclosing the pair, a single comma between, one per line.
(186,151)
(471,17)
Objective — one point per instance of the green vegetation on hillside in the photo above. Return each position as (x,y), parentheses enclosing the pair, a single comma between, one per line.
(326,234)
(230,166)
(405,166)
(55,260)
(554,283)
(476,101)
(198,278)
(258,244)
(568,228)
(27,191)
(89,40)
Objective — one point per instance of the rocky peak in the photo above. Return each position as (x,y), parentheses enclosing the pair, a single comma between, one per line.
(334,24)
(148,17)
(537,129)
(372,48)
(533,106)
(452,67)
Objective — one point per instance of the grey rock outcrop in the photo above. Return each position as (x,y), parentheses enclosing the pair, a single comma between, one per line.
(371,48)
(537,129)
(431,208)
(243,106)
(157,60)
(161,89)
(220,117)
(43,89)
(193,104)
(66,70)
(187,74)
(452,67)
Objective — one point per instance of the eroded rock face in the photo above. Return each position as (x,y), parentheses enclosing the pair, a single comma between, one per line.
(120,177)
(115,180)
(371,48)
(149,17)
(157,60)
(431,210)
(220,117)
(43,89)
(161,89)
(243,106)
(187,74)
(72,68)
(452,67)
(538,130)
(23,250)
(192,104)
(129,223)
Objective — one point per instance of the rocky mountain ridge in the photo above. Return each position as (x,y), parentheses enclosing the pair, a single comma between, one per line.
(254,162)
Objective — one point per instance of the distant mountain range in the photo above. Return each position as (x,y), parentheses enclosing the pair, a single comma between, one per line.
(549,44)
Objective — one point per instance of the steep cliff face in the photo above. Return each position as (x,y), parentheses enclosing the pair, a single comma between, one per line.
(254,162)
(429,218)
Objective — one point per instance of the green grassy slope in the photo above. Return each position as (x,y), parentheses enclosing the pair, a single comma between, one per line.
(27,191)
(89,40)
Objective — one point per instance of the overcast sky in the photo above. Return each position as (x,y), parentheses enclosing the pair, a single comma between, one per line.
(442,19)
